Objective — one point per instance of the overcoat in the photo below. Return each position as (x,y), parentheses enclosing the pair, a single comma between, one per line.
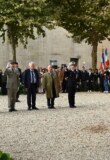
(47,84)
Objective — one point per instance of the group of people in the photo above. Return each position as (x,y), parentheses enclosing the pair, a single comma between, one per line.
(31,80)
(52,81)
(87,80)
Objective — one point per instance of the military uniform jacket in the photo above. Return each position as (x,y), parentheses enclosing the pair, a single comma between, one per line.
(12,78)
(72,79)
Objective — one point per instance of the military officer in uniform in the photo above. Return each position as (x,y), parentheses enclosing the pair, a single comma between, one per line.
(71,84)
(12,85)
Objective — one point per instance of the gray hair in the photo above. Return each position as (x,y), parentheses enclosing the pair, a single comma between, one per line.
(31,63)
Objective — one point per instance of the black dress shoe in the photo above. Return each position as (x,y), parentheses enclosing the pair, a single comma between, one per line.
(51,108)
(10,110)
(72,106)
(14,110)
(35,108)
(17,100)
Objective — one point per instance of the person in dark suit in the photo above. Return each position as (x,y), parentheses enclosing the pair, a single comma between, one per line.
(64,82)
(101,80)
(95,80)
(84,78)
(0,78)
(90,80)
(78,86)
(71,84)
(31,83)
(3,86)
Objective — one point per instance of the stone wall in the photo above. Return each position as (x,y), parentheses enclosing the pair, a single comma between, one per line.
(55,46)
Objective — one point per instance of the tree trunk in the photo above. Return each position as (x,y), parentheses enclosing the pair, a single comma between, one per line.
(13,45)
(12,38)
(94,55)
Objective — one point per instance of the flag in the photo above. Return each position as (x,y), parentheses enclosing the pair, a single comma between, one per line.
(102,64)
(106,58)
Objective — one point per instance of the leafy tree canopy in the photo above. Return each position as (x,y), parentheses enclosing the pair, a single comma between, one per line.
(87,20)
(18,18)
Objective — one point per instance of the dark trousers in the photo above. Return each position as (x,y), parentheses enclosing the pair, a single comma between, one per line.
(3,89)
(90,86)
(50,102)
(101,87)
(64,86)
(71,99)
(83,86)
(31,96)
(96,87)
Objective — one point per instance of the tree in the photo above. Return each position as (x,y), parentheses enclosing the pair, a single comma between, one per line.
(87,20)
(19,18)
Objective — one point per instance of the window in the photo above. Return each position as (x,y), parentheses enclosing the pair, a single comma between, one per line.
(76,60)
(53,62)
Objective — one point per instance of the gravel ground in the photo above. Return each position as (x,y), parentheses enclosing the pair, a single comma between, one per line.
(61,134)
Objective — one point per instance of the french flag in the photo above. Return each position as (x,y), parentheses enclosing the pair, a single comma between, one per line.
(102,64)
(106,58)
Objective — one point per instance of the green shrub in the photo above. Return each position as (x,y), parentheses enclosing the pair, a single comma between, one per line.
(5,156)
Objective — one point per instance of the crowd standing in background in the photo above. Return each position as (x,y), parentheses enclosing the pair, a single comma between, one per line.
(52,81)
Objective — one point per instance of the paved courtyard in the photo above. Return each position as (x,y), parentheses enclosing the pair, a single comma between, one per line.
(61,134)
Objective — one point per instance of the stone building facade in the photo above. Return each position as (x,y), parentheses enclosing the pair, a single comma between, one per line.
(56,48)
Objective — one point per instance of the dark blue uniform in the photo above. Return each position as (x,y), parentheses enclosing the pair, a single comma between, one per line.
(71,87)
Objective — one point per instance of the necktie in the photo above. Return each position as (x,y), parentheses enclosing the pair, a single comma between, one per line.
(32,77)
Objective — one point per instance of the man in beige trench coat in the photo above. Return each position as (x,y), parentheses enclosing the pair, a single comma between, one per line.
(12,85)
(51,86)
